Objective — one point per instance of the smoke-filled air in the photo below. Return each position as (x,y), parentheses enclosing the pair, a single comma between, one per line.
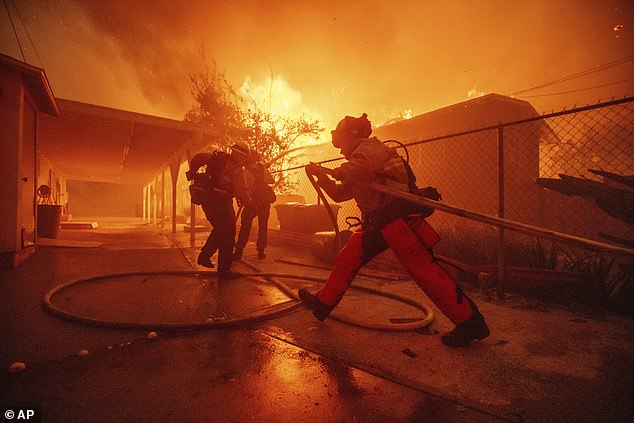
(327,59)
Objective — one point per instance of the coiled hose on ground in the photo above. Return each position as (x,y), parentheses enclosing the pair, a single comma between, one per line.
(240,321)
(270,277)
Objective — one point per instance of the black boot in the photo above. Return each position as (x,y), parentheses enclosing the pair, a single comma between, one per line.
(205,260)
(238,254)
(466,332)
(310,301)
(261,255)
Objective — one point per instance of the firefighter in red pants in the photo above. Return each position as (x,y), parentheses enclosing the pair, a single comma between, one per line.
(387,222)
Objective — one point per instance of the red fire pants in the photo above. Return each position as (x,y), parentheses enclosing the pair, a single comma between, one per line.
(411,239)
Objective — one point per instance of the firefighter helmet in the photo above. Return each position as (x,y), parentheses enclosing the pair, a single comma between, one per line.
(240,149)
(350,128)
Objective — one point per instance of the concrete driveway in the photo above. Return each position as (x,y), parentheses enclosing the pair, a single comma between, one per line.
(540,364)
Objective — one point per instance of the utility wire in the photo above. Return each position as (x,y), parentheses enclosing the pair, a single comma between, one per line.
(6,6)
(27,34)
(575,91)
(578,74)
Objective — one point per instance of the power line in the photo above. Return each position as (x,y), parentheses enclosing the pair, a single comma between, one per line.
(27,33)
(6,6)
(575,91)
(578,74)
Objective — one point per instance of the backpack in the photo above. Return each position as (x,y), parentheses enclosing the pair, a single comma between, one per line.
(426,192)
(207,182)
(262,191)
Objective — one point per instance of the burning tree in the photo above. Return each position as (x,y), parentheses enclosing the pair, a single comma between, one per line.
(217,104)
(272,136)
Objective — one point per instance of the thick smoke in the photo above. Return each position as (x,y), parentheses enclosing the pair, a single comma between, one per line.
(379,57)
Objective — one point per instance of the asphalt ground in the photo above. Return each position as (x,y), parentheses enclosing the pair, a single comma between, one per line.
(542,363)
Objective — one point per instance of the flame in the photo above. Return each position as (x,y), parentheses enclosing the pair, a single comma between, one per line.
(277,97)
(473,92)
(617,30)
(403,115)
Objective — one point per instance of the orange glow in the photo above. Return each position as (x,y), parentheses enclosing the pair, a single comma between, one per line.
(473,92)
(276,96)
(345,58)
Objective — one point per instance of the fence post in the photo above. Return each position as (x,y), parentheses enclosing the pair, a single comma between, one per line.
(500,286)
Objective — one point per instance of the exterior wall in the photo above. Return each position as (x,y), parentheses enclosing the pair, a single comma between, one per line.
(96,199)
(19,134)
(18,170)
(521,169)
(27,174)
(11,103)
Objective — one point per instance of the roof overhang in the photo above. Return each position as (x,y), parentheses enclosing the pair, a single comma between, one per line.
(87,142)
(36,81)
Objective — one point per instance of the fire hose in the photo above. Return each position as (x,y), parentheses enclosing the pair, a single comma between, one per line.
(273,278)
(233,322)
(409,325)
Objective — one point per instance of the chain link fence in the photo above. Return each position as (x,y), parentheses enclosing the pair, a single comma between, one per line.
(535,170)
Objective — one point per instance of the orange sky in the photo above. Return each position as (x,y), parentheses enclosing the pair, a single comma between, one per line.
(378,57)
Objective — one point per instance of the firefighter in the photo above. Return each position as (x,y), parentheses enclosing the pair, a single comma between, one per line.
(225,179)
(387,222)
(260,181)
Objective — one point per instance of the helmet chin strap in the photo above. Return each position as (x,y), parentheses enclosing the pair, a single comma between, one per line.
(347,146)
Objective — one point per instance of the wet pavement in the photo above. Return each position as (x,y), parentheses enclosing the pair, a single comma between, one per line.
(541,363)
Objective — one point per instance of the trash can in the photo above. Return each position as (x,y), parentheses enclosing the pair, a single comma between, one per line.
(305,218)
(325,245)
(49,217)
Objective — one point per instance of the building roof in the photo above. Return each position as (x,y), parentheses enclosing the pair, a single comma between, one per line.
(480,112)
(88,142)
(35,80)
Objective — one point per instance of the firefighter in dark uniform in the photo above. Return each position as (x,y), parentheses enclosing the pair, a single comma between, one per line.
(387,222)
(226,179)
(259,181)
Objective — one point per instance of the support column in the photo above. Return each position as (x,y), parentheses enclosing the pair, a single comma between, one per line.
(174,168)
(144,199)
(163,198)
(149,203)
(154,202)
(192,213)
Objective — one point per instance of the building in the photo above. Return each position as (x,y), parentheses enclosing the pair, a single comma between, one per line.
(25,96)
(49,144)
